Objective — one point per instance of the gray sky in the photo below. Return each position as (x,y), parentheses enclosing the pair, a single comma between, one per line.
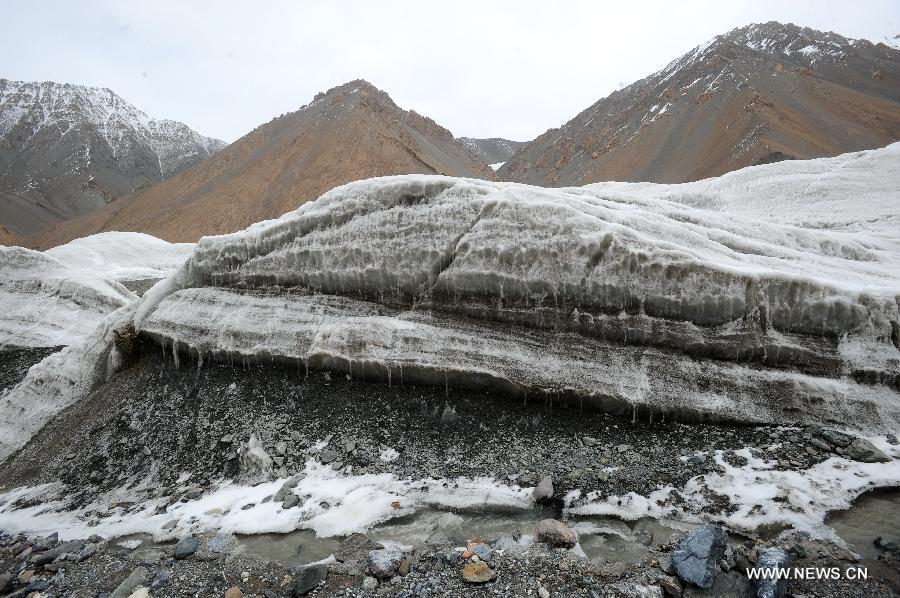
(483,69)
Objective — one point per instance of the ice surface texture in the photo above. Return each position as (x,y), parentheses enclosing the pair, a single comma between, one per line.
(607,293)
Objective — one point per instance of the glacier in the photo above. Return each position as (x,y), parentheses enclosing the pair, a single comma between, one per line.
(730,298)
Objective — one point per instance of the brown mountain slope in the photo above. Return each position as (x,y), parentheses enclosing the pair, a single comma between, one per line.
(757,94)
(352,132)
(6,237)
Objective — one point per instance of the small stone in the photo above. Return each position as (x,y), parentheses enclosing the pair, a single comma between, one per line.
(87,552)
(291,501)
(478,573)
(327,456)
(162,578)
(403,569)
(543,592)
(670,585)
(186,547)
(623,448)
(483,551)
(308,578)
(355,548)
(555,534)
(835,438)
(369,583)
(280,448)
(26,575)
(384,563)
(233,592)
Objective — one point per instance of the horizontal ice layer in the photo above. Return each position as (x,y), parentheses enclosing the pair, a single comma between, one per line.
(567,290)
(364,339)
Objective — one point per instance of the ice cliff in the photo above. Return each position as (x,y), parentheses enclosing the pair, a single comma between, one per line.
(727,299)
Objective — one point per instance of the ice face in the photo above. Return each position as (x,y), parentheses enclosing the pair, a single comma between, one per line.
(608,292)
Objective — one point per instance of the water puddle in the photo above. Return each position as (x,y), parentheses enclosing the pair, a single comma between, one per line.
(873,514)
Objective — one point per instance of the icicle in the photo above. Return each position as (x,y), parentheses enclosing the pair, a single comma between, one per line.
(446,386)
(633,414)
(175,354)
(525,402)
(389,376)
(651,417)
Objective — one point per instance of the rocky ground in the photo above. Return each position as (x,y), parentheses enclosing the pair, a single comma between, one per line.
(216,566)
(15,361)
(158,419)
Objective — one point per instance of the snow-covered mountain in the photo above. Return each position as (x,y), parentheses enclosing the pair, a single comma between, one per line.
(757,94)
(351,132)
(68,149)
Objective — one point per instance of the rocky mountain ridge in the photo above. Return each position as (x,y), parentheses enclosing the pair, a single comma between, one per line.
(756,94)
(68,149)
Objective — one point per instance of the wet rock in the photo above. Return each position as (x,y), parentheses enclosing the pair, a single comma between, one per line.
(186,547)
(863,450)
(725,585)
(771,558)
(543,492)
(219,543)
(478,573)
(697,556)
(138,578)
(308,578)
(291,501)
(555,534)
(383,564)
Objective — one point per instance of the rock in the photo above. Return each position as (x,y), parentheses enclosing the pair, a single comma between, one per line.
(623,448)
(291,501)
(138,578)
(5,580)
(308,578)
(87,552)
(483,551)
(636,590)
(555,534)
(666,564)
(186,547)
(383,563)
(403,569)
(141,592)
(671,585)
(280,448)
(233,592)
(543,592)
(355,547)
(697,557)
(327,456)
(219,543)
(543,492)
(478,573)
(162,578)
(834,438)
(771,558)
(369,583)
(863,450)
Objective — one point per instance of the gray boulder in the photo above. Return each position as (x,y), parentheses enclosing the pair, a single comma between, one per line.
(137,578)
(697,557)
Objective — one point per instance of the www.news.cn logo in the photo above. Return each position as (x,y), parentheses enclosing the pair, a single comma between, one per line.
(824,573)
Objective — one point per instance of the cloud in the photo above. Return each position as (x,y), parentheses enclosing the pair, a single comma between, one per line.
(501,68)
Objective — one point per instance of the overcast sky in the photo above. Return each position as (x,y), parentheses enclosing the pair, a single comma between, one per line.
(482,69)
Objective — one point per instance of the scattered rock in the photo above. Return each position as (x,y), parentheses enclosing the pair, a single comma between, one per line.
(186,547)
(555,534)
(233,592)
(308,578)
(384,563)
(697,557)
(369,583)
(355,547)
(483,551)
(327,456)
(834,438)
(671,585)
(478,573)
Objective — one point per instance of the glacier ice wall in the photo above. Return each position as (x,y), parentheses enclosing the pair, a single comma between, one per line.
(624,295)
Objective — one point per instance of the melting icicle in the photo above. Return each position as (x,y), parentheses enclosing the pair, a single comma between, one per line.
(446,386)
(389,376)
(633,414)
